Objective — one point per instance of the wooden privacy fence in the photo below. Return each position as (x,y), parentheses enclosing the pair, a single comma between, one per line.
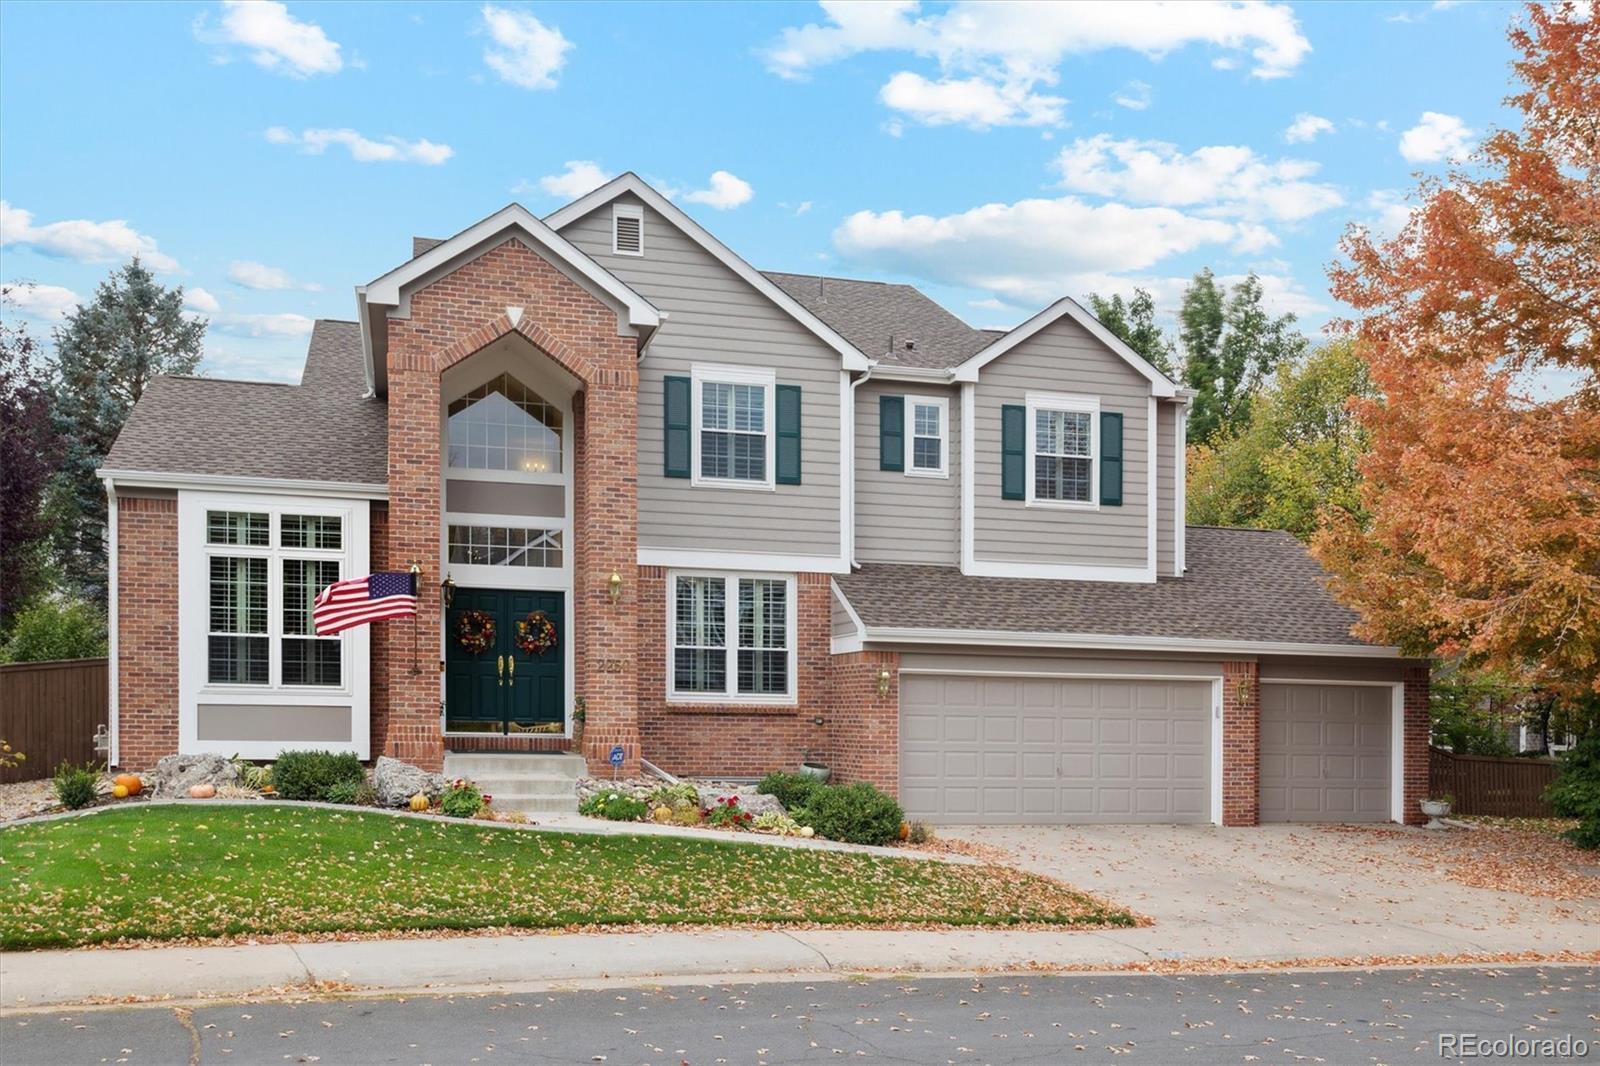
(1482,784)
(49,712)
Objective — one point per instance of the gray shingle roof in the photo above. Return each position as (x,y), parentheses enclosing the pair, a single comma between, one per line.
(869,314)
(319,430)
(1242,585)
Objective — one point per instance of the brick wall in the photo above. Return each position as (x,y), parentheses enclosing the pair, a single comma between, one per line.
(147,630)
(739,740)
(1241,743)
(1415,731)
(451,319)
(864,727)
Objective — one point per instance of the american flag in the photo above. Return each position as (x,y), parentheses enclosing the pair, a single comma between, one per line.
(360,600)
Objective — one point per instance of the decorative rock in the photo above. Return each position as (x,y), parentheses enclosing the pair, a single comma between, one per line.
(175,775)
(396,782)
(750,800)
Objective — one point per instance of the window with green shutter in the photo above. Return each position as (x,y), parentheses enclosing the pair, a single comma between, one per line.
(1013,451)
(891,432)
(1111,458)
(788,445)
(677,416)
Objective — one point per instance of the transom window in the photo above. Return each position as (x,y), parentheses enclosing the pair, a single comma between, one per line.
(260,597)
(926,447)
(732,426)
(1062,449)
(504,546)
(732,638)
(504,425)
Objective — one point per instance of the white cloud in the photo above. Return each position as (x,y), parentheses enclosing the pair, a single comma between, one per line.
(1218,180)
(197,299)
(81,240)
(263,325)
(32,300)
(1014,48)
(1306,127)
(363,149)
(972,102)
(1135,96)
(252,366)
(275,39)
(1390,212)
(252,275)
(581,176)
(526,52)
(1435,137)
(725,192)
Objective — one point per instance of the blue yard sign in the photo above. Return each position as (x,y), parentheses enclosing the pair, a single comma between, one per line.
(616,759)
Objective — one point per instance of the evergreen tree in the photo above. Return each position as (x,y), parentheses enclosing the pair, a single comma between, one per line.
(1230,346)
(1134,322)
(106,352)
(28,452)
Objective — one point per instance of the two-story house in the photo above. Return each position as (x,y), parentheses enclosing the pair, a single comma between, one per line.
(733,517)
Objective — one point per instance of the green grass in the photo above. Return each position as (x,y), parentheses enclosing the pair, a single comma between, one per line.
(210,871)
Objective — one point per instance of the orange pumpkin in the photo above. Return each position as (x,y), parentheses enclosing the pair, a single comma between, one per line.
(131,782)
(419,802)
(905,830)
(119,792)
(202,792)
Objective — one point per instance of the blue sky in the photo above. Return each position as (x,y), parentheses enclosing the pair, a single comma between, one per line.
(269,157)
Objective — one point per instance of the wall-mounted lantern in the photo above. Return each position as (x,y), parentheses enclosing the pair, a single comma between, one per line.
(615,584)
(885,678)
(447,592)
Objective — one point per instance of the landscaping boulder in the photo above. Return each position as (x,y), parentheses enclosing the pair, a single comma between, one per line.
(749,799)
(396,782)
(176,774)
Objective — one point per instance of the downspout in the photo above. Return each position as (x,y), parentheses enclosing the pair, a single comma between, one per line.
(850,490)
(114,756)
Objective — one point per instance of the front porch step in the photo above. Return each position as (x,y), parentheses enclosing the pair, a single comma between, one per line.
(531,783)
(474,764)
(525,785)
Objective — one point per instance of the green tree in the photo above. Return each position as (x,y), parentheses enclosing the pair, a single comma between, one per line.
(28,452)
(106,352)
(1134,322)
(1296,453)
(56,629)
(1230,345)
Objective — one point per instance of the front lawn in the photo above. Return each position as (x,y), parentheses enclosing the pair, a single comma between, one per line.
(205,871)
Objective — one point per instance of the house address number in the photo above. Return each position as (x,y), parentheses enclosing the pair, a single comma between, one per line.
(609,666)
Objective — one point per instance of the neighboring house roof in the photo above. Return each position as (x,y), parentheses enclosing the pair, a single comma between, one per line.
(895,324)
(1242,587)
(322,430)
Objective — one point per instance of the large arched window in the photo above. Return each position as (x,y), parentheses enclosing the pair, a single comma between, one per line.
(504,425)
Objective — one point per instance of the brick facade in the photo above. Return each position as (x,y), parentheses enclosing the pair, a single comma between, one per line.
(147,630)
(1415,732)
(864,724)
(1241,743)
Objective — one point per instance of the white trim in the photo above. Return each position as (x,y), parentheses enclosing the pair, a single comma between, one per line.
(854,358)
(1094,674)
(1397,732)
(1142,575)
(847,469)
(922,375)
(910,435)
(742,561)
(1152,480)
(766,378)
(730,606)
(1180,518)
(841,645)
(224,482)
(113,757)
(1071,404)
(1216,753)
(633,211)
(969,465)
(1035,639)
(1160,384)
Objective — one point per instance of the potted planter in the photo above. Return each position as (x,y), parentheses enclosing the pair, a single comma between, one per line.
(1436,809)
(811,766)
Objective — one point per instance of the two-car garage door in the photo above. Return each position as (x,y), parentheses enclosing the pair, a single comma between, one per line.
(977,749)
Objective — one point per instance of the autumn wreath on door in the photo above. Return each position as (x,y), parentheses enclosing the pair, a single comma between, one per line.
(475,631)
(536,634)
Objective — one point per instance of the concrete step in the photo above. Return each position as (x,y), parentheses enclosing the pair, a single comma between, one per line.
(535,805)
(525,784)
(475,764)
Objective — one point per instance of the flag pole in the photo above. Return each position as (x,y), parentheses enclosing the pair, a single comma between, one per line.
(416,590)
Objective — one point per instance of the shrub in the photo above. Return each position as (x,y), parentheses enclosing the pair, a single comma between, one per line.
(856,814)
(675,797)
(312,775)
(56,629)
(75,785)
(616,806)
(360,793)
(461,799)
(777,824)
(1575,793)
(727,814)
(791,790)
(921,833)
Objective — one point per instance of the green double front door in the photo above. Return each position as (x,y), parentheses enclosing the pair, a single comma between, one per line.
(494,685)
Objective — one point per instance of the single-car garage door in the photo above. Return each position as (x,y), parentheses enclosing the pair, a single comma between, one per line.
(999,750)
(1325,753)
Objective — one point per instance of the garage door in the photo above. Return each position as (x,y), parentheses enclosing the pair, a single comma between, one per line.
(1324,753)
(998,750)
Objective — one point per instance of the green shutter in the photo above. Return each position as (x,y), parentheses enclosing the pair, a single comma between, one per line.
(1013,452)
(1110,459)
(676,415)
(788,400)
(891,432)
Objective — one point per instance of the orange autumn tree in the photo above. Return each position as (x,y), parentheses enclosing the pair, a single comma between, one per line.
(1481,324)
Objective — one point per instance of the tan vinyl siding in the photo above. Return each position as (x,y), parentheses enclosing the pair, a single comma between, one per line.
(902,518)
(716,317)
(1166,486)
(1061,358)
(843,625)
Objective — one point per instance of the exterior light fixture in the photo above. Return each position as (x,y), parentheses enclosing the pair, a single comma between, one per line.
(884,680)
(615,582)
(447,592)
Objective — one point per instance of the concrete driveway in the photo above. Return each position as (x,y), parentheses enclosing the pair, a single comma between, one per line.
(1276,892)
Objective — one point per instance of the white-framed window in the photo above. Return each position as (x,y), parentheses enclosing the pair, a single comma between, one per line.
(627,229)
(263,571)
(1063,450)
(730,637)
(927,436)
(505,430)
(734,442)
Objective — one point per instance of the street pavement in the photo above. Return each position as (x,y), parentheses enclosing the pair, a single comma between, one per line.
(1385,1016)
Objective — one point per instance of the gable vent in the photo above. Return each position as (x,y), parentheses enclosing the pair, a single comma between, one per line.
(627,229)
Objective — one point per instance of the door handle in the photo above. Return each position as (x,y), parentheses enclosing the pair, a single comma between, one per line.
(511,668)
(500,667)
